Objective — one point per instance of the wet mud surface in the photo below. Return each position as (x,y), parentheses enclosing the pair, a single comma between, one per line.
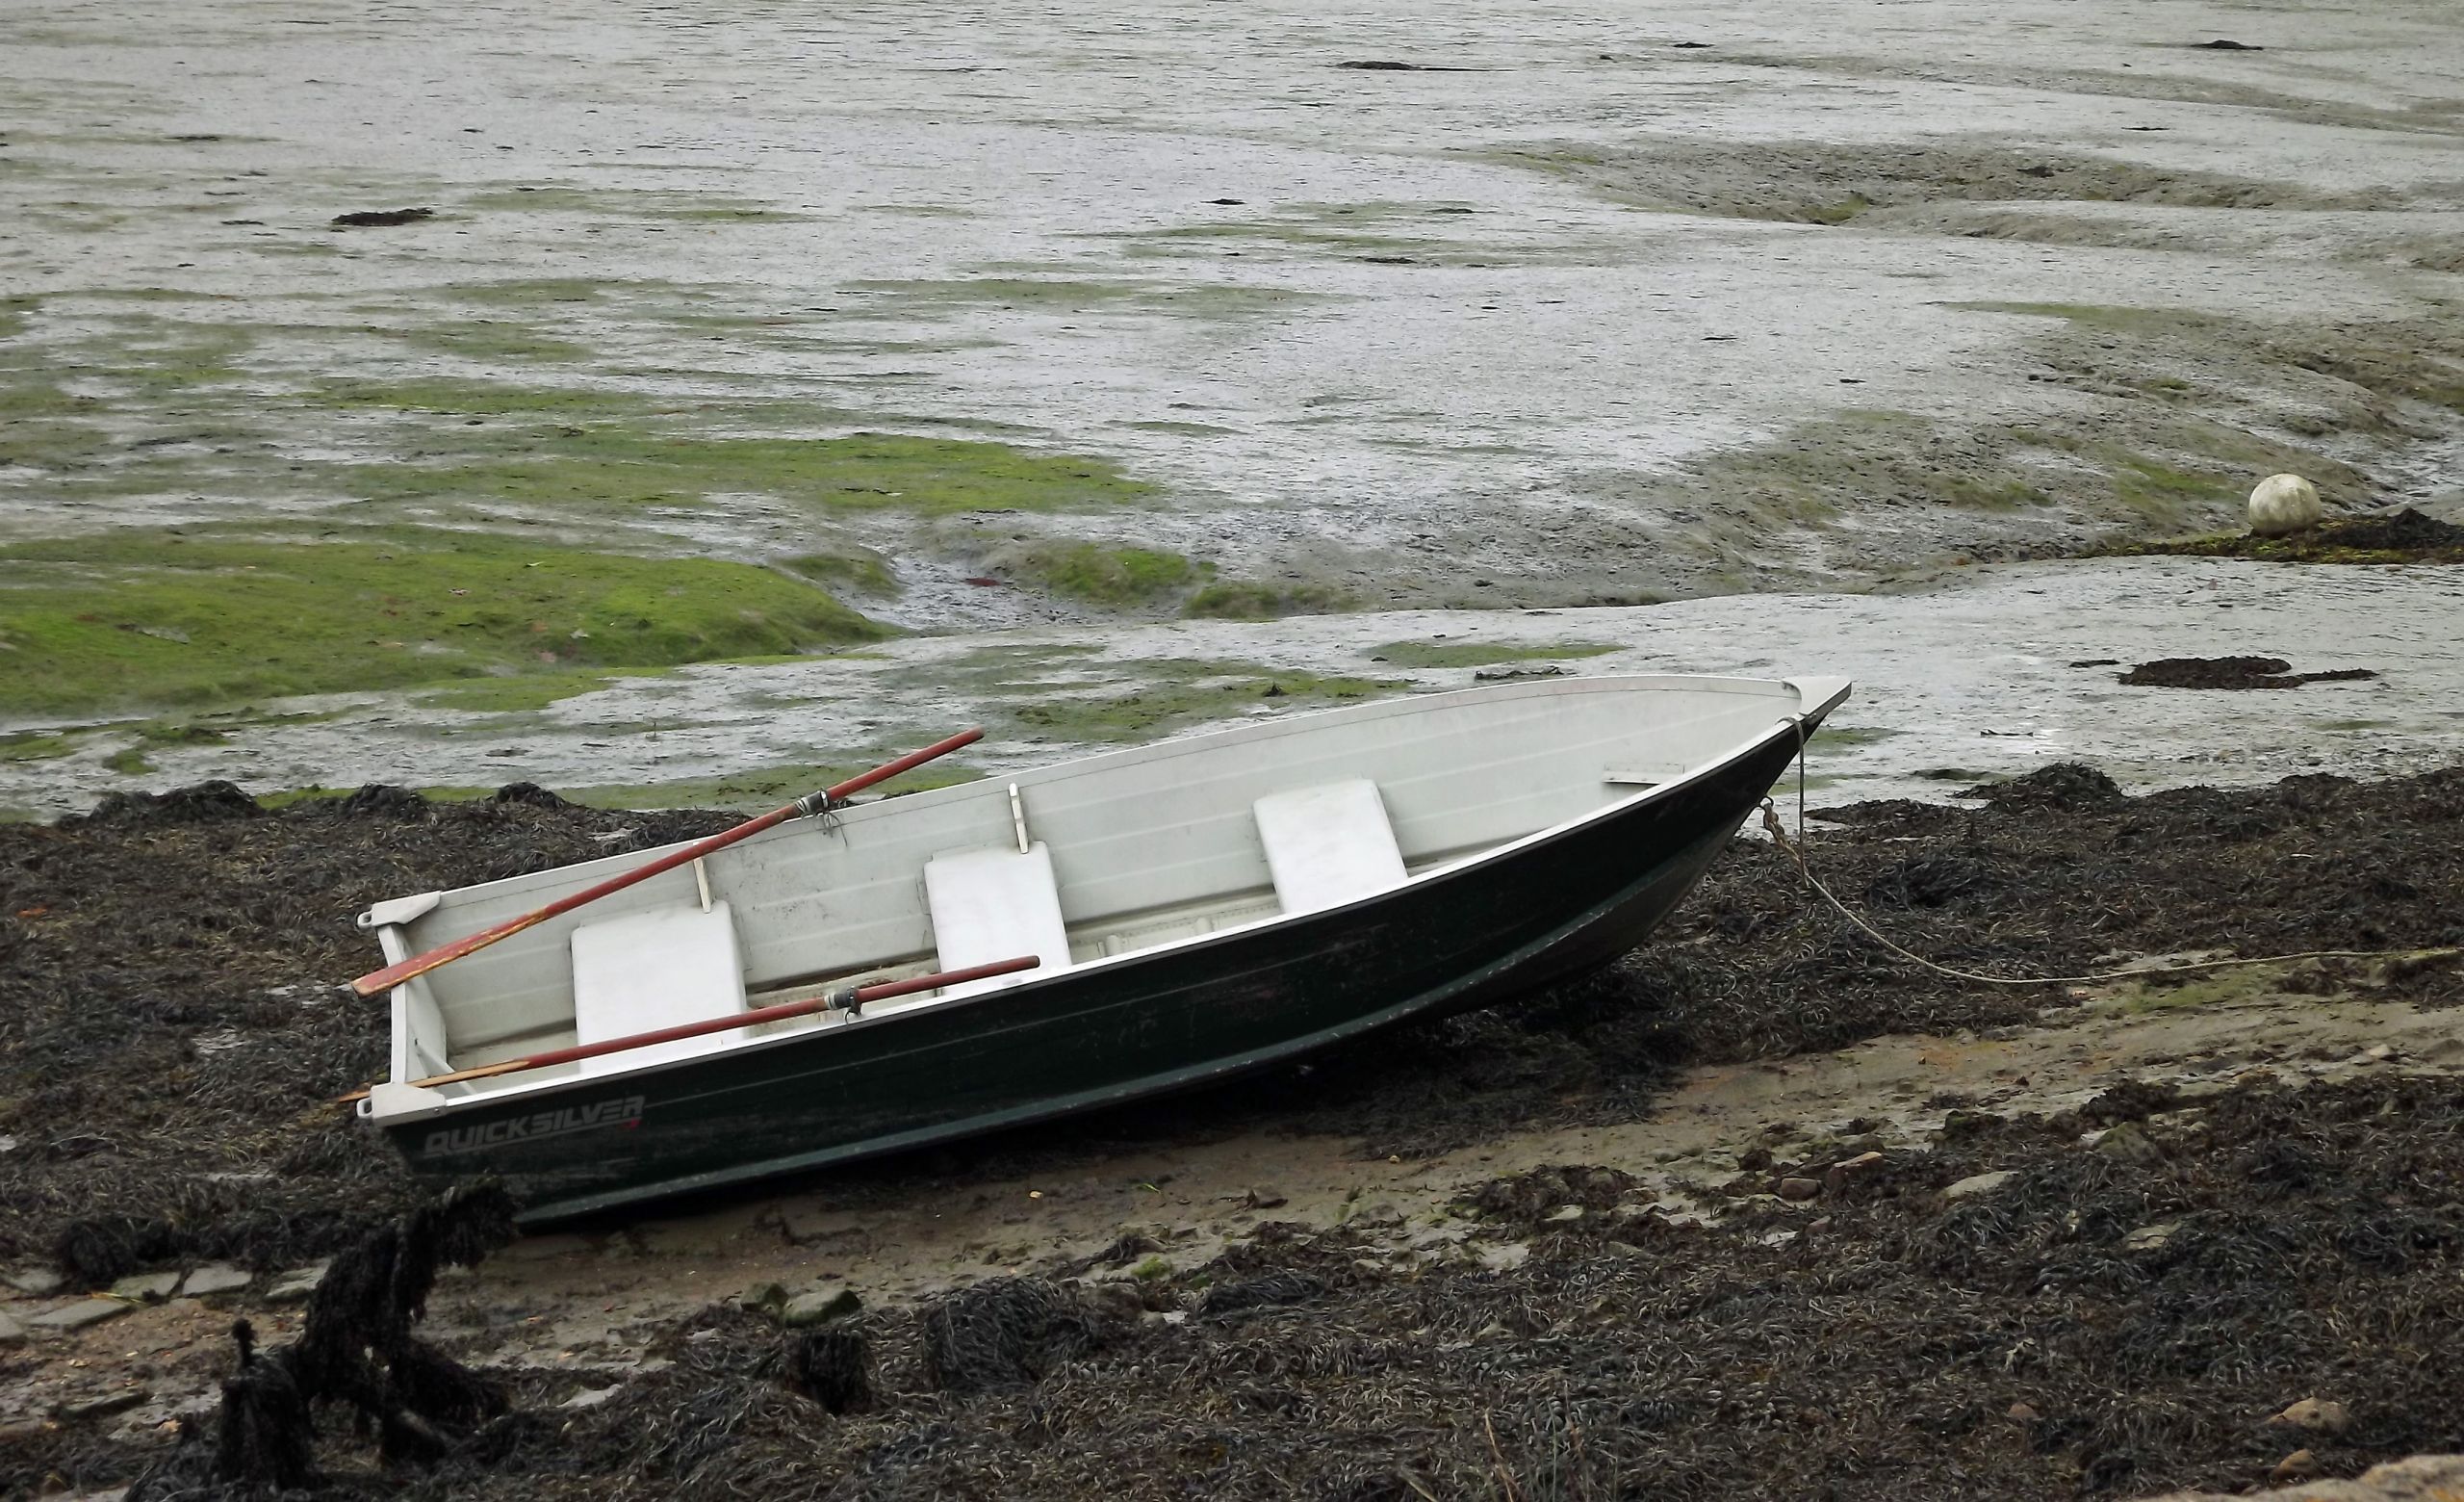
(1542,315)
(174,1034)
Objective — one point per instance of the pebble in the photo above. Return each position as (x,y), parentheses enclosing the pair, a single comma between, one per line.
(1840,1172)
(2127,1144)
(146,1287)
(295,1285)
(80,1314)
(819,1307)
(2020,1414)
(1564,1213)
(2299,1466)
(774,1296)
(1978,1184)
(214,1277)
(1799,1188)
(590,1399)
(105,1406)
(2149,1238)
(1505,1256)
(2318,1415)
(34,1283)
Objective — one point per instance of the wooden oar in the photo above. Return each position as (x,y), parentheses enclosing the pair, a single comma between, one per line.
(392,975)
(845,998)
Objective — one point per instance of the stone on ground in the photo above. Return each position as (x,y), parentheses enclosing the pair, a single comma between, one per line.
(1978,1184)
(215,1278)
(80,1314)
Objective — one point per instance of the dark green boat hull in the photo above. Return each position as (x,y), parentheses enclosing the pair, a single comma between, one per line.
(1559,907)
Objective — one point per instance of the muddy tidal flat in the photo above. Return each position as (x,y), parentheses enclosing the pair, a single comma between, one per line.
(406,410)
(374,384)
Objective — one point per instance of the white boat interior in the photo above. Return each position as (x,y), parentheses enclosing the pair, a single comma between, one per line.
(1079,863)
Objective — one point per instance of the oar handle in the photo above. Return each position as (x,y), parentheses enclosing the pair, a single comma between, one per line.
(378,981)
(845,998)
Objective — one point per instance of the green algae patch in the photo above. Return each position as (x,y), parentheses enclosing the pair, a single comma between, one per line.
(36,746)
(140,617)
(628,464)
(491,341)
(483,398)
(515,693)
(1256,600)
(1017,667)
(1990,495)
(1482,653)
(530,292)
(2117,319)
(633,203)
(441,793)
(1183,692)
(1100,574)
(33,395)
(1839,211)
(2240,985)
(2161,491)
(860,570)
(2392,361)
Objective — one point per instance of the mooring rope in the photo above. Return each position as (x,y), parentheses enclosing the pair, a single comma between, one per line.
(1796,853)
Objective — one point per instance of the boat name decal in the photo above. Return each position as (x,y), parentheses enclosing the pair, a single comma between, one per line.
(625,1111)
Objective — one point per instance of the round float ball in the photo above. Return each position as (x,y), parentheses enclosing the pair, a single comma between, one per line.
(2284,503)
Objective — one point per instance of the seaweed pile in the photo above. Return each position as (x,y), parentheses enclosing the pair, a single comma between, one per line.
(2147,1288)
(2233,672)
(355,1348)
(2124,1316)
(172,1024)
(2401,536)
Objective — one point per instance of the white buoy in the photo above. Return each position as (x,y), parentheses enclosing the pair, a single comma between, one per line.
(2284,503)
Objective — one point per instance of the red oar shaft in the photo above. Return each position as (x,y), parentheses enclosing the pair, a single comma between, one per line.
(856,998)
(377,981)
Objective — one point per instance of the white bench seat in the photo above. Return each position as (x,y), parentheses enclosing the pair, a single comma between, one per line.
(1328,845)
(648,970)
(991,905)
